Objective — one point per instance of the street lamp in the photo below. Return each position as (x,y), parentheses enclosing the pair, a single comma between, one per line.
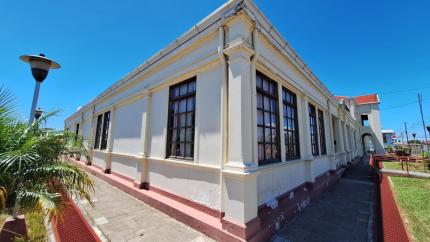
(414,134)
(428,129)
(40,66)
(37,113)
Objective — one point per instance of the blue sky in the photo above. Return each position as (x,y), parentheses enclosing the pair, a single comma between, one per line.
(355,47)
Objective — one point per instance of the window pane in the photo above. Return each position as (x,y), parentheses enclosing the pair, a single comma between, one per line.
(175,92)
(189,135)
(190,119)
(183,106)
(183,90)
(182,135)
(266,103)
(191,87)
(265,85)
(174,135)
(188,151)
(268,152)
(266,119)
(182,120)
(259,101)
(260,118)
(260,135)
(190,104)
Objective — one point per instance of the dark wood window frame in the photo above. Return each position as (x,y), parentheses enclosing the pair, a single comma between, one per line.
(291,126)
(267,120)
(98,131)
(321,127)
(105,131)
(313,129)
(76,132)
(181,120)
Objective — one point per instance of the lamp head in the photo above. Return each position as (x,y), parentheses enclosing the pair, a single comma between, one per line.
(37,113)
(40,65)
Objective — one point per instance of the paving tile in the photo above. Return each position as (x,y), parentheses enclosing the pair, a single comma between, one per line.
(340,214)
(120,217)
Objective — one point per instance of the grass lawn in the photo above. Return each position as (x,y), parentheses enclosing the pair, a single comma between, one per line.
(398,166)
(413,196)
(35,227)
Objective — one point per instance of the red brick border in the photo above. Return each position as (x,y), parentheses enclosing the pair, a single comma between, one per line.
(390,220)
(73,226)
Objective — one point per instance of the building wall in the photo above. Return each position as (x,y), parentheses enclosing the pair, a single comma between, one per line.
(374,128)
(237,186)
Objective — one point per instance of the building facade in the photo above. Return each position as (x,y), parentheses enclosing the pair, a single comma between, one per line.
(227,117)
(366,109)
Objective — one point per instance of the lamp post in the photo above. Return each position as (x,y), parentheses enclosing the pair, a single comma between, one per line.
(428,129)
(40,66)
(414,134)
(37,113)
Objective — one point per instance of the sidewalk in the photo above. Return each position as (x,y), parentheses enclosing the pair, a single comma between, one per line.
(117,216)
(394,172)
(343,213)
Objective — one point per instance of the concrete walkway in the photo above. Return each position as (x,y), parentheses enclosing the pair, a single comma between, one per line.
(120,217)
(343,213)
(405,173)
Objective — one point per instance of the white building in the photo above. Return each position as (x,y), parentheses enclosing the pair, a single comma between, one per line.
(229,119)
(388,137)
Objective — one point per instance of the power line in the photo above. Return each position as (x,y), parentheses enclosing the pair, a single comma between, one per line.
(402,105)
(404,90)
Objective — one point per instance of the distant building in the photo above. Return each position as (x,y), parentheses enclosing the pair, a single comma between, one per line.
(388,137)
(366,109)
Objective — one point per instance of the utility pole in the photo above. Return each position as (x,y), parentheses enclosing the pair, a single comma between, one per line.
(406,131)
(403,141)
(420,102)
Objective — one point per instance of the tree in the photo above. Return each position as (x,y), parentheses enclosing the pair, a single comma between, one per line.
(34,172)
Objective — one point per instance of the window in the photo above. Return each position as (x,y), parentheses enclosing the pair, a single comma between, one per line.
(291,127)
(105,132)
(313,129)
(322,132)
(182,103)
(364,120)
(98,131)
(102,131)
(77,132)
(267,120)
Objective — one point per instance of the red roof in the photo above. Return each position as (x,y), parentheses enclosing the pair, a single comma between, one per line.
(371,98)
(365,99)
(339,98)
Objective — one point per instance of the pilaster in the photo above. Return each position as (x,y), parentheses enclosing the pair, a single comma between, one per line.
(240,107)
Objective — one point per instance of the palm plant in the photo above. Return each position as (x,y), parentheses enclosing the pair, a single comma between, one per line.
(34,172)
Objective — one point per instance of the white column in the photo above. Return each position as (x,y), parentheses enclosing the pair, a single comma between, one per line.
(307,155)
(307,151)
(90,143)
(345,140)
(239,186)
(240,105)
(144,172)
